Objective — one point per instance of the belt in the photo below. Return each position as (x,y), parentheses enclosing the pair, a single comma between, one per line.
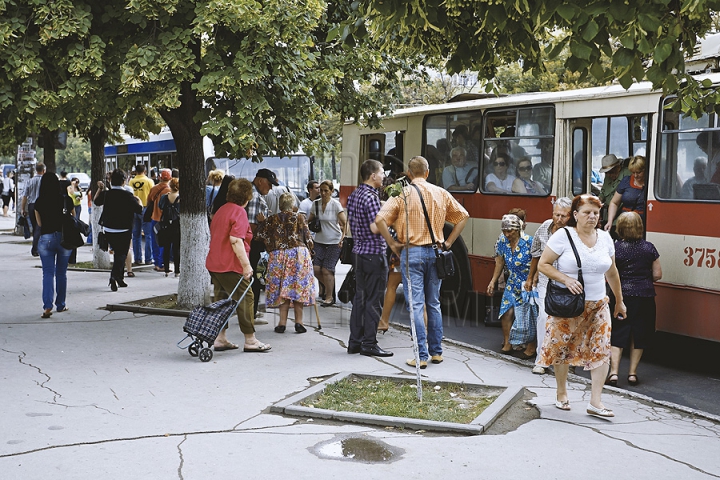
(426,245)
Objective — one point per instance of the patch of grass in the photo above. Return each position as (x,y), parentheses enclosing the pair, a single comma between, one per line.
(169,302)
(82,265)
(448,403)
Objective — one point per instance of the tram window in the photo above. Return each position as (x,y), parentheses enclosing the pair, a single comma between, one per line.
(579,148)
(689,163)
(518,151)
(452,150)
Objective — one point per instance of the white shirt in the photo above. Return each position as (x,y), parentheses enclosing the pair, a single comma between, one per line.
(330,233)
(273,198)
(595,261)
(501,184)
(305,207)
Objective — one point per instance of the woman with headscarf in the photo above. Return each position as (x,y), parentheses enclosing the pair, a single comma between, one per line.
(290,278)
(514,253)
(120,206)
(49,211)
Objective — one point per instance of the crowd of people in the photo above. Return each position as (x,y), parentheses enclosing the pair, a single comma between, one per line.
(394,239)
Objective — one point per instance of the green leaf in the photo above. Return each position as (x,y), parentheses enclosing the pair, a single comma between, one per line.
(626,80)
(591,30)
(623,57)
(649,23)
(662,52)
(580,50)
(567,12)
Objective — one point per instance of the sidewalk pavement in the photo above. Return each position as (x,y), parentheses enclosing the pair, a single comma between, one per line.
(95,394)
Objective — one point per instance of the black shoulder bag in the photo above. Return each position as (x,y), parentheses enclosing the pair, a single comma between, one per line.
(561,302)
(444,261)
(314,225)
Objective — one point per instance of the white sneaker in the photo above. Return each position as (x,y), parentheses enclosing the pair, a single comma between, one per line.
(538,370)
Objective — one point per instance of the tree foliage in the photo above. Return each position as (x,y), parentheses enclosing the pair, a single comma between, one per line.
(644,40)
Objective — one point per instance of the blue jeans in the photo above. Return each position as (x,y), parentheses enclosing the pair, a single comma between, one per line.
(137,229)
(54,259)
(157,250)
(425,293)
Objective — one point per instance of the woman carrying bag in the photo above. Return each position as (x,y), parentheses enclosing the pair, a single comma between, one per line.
(585,258)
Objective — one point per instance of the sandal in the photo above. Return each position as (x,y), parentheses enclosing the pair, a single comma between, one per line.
(612,380)
(257,347)
(64,309)
(229,346)
(130,274)
(634,382)
(46,313)
(564,405)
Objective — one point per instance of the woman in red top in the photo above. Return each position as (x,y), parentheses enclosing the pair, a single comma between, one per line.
(228,262)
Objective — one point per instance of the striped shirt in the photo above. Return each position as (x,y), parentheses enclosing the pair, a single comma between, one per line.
(540,239)
(33,189)
(256,206)
(441,205)
(362,206)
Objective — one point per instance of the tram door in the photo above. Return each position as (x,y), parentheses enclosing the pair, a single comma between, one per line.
(581,161)
(386,148)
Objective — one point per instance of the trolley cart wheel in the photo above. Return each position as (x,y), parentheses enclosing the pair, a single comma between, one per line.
(206,355)
(194,348)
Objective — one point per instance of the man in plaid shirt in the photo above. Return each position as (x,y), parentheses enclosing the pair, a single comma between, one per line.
(417,259)
(369,261)
(257,211)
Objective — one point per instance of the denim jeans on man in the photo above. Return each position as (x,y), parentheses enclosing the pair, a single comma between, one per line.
(425,293)
(36,229)
(371,272)
(54,259)
(157,250)
(139,227)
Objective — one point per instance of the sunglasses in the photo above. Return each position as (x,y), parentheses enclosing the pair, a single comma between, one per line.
(499,164)
(524,169)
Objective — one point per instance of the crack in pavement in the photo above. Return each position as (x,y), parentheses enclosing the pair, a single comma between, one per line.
(637,447)
(465,362)
(21,359)
(182,460)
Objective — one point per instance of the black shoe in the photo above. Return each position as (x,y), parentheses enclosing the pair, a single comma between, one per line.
(375,351)
(113,285)
(352,350)
(299,328)
(121,283)
(280,329)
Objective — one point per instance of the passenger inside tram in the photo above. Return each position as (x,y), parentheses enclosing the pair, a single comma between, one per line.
(461,175)
(699,169)
(500,181)
(460,138)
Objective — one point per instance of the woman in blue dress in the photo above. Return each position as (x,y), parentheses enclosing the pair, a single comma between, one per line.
(513,250)
(631,192)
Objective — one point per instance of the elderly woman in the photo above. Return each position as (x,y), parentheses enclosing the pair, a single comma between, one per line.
(120,206)
(328,241)
(500,181)
(638,263)
(583,340)
(49,213)
(631,192)
(290,269)
(560,216)
(524,183)
(228,262)
(514,253)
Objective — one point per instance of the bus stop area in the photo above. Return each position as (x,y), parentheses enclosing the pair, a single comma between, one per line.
(91,393)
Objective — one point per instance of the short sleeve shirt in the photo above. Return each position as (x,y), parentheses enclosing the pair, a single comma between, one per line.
(542,235)
(330,233)
(634,263)
(363,207)
(595,261)
(501,184)
(256,206)
(633,196)
(230,220)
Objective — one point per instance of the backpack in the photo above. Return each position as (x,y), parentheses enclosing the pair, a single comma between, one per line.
(171,212)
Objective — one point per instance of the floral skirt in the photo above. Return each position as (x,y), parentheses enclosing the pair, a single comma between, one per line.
(290,277)
(580,341)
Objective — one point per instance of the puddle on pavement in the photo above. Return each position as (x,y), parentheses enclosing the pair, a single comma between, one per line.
(357,449)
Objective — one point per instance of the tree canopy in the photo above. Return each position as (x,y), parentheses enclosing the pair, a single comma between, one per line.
(644,40)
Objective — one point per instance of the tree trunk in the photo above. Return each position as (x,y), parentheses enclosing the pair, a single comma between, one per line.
(48,137)
(194,233)
(97,137)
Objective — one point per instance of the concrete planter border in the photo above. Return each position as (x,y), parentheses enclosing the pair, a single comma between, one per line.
(291,406)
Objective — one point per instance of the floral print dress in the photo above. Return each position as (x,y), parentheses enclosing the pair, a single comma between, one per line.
(290,270)
(517,262)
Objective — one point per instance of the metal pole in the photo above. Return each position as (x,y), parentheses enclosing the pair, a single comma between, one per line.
(413,331)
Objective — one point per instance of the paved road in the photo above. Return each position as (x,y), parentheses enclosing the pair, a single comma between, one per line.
(91,394)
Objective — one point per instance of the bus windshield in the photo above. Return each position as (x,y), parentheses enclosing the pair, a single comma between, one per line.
(294,171)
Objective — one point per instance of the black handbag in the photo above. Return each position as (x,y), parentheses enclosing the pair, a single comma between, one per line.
(102,241)
(314,225)
(444,260)
(71,232)
(561,302)
(346,294)
(346,251)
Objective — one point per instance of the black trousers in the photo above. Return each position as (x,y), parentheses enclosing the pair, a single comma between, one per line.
(172,247)
(371,272)
(120,243)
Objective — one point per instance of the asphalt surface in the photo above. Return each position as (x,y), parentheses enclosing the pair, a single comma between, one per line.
(91,394)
